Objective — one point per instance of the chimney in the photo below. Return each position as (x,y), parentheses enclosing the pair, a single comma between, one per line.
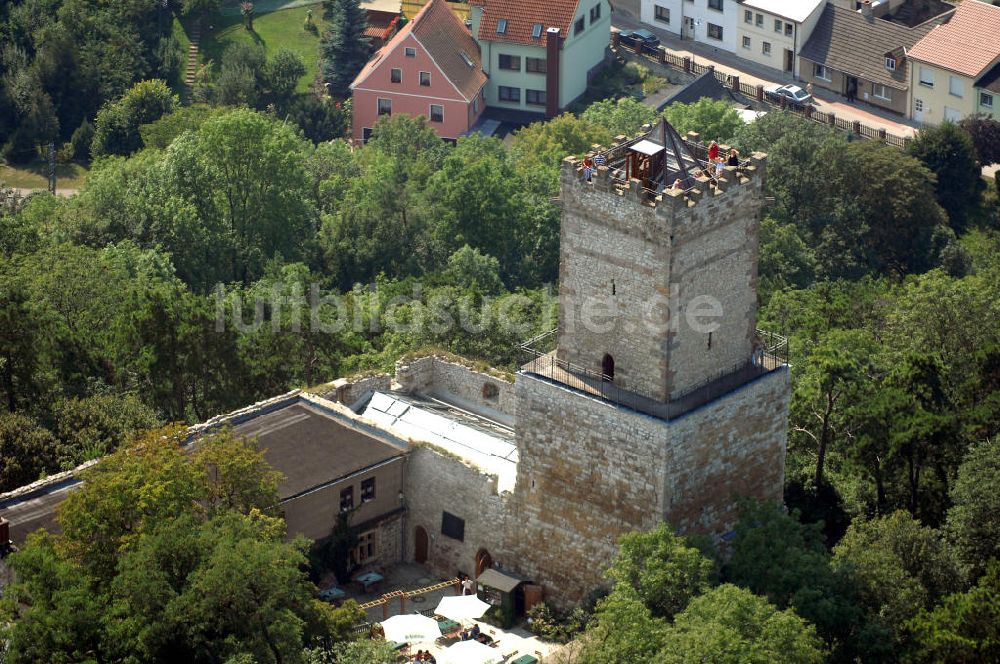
(553,44)
(866,9)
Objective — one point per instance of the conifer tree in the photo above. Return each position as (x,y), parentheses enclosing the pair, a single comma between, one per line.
(344,49)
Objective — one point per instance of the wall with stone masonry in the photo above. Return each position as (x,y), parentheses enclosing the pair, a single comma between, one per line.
(349,391)
(484,393)
(670,249)
(437,482)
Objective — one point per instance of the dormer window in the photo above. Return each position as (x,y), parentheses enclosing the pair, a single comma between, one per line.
(890,64)
(501,26)
(467,59)
(536,31)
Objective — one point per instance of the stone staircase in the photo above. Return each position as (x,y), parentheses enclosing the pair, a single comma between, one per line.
(192,56)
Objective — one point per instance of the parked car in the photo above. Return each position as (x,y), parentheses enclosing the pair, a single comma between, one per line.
(792,94)
(639,40)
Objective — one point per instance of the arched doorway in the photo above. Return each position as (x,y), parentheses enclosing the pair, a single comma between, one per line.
(608,366)
(420,544)
(484,561)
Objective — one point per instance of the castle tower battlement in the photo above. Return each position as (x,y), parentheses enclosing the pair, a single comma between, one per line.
(658,263)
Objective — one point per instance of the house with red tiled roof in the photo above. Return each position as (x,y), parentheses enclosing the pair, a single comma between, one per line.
(956,67)
(431,67)
(540,54)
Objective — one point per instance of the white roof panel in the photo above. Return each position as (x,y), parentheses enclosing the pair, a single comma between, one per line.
(793,10)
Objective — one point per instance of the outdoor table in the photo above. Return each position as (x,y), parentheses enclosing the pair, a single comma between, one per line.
(332,593)
(447,626)
(368,579)
(526,659)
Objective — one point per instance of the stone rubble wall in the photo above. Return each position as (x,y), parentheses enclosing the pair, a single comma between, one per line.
(483,393)
(350,391)
(436,482)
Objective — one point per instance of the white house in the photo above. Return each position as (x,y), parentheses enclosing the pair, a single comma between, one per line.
(711,22)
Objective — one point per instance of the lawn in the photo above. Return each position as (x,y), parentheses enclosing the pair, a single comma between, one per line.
(274,30)
(34,175)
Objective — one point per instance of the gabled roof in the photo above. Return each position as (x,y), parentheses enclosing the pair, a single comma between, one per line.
(706,85)
(446,40)
(967,44)
(990,80)
(849,42)
(522,16)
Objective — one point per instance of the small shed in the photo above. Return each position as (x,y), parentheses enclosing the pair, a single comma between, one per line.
(504,591)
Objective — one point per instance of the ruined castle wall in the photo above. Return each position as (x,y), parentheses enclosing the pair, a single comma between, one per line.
(731,447)
(484,393)
(589,472)
(437,482)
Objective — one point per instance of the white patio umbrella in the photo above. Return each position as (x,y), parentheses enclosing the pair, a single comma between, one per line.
(461,607)
(470,652)
(410,628)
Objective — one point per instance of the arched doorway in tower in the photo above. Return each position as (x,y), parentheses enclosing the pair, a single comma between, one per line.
(608,367)
(484,561)
(420,544)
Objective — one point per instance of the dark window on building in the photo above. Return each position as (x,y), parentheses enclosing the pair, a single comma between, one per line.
(437,113)
(536,31)
(347,499)
(747,16)
(452,526)
(367,490)
(595,13)
(714,31)
(777,26)
(366,133)
(534,65)
(509,94)
(511,62)
(385,107)
(578,26)
(425,78)
(410,52)
(661,14)
(715,4)
(501,26)
(396,75)
(535,97)
(788,29)
(760,20)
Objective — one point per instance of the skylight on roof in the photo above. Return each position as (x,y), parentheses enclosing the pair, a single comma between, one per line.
(536,31)
(468,60)
(501,26)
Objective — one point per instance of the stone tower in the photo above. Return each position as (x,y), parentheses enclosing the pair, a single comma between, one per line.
(653,404)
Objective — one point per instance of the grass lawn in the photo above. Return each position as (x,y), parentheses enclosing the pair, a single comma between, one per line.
(34,175)
(274,30)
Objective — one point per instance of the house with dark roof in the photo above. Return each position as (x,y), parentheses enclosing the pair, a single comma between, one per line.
(706,85)
(864,54)
(956,68)
(431,67)
(540,54)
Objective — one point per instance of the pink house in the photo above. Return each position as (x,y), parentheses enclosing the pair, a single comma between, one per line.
(431,67)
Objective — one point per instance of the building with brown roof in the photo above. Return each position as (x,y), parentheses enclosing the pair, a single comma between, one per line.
(431,67)
(540,54)
(865,54)
(955,68)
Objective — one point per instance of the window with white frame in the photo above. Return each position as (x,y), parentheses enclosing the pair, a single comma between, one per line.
(955,86)
(437,115)
(396,75)
(890,64)
(501,26)
(746,42)
(505,93)
(535,65)
(777,25)
(926,77)
(661,14)
(511,62)
(425,78)
(715,4)
(881,92)
(765,48)
(368,485)
(747,16)
(760,20)
(384,106)
(821,72)
(534,97)
(410,52)
(985,100)
(714,31)
(536,31)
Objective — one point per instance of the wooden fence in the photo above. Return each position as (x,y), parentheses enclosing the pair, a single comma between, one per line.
(756,92)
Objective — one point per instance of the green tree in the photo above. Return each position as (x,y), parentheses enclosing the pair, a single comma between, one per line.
(964,629)
(661,569)
(282,72)
(947,150)
(201,7)
(974,518)
(900,566)
(730,625)
(621,116)
(116,129)
(27,451)
(90,427)
(623,630)
(985,133)
(785,258)
(468,267)
(343,47)
(714,119)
